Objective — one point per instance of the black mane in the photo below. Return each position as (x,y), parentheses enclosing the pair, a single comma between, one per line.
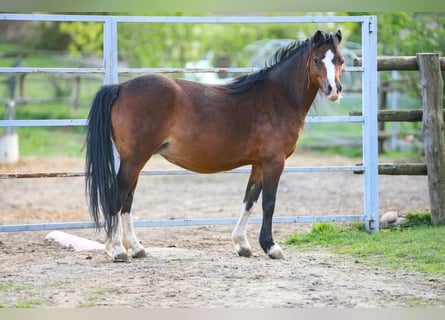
(245,82)
(285,52)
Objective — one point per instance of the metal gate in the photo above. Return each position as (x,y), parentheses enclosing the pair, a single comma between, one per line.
(110,71)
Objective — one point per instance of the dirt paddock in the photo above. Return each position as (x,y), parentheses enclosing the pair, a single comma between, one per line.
(197,266)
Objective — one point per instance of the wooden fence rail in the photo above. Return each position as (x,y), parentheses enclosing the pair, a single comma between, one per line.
(400,169)
(408,115)
(399,63)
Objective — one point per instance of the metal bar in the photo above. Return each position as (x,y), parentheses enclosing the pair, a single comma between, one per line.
(110,51)
(34,175)
(180,222)
(43,70)
(46,226)
(247,170)
(187,70)
(84,122)
(176,19)
(43,123)
(205,70)
(51,17)
(355,169)
(334,119)
(370,124)
(353,69)
(244,20)
(50,70)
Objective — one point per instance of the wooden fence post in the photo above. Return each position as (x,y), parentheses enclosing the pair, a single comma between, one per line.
(433,132)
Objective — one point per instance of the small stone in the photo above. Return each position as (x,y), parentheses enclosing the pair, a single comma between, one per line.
(389,217)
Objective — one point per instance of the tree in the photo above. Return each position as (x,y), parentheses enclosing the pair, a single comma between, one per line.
(408,33)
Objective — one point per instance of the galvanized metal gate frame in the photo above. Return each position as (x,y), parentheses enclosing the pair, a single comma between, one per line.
(110,71)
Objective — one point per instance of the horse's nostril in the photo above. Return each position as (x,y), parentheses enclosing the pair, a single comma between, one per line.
(329,88)
(339,88)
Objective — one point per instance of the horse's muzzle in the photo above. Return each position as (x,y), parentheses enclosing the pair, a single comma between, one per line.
(333,93)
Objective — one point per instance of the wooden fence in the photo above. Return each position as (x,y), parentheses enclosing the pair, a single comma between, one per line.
(432,117)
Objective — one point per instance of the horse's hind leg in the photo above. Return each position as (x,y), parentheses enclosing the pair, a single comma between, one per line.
(114,246)
(239,234)
(124,237)
(129,239)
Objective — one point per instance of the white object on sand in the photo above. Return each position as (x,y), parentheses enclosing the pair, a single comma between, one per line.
(75,242)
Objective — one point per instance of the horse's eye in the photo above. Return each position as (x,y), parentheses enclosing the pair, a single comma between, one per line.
(316,60)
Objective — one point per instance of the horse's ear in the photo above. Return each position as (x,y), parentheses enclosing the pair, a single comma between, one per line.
(338,35)
(318,36)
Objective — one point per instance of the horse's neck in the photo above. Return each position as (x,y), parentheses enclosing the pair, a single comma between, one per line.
(293,78)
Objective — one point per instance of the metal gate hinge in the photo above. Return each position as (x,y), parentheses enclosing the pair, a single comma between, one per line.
(371,26)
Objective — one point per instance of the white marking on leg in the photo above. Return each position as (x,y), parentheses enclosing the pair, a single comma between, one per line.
(330,72)
(239,234)
(117,159)
(129,239)
(275,252)
(114,245)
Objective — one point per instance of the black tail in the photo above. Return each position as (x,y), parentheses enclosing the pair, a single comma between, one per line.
(101,187)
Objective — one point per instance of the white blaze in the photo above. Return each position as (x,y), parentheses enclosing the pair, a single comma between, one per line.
(330,70)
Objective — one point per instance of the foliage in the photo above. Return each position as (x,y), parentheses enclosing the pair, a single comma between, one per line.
(174,44)
(86,37)
(46,36)
(417,219)
(406,34)
(416,246)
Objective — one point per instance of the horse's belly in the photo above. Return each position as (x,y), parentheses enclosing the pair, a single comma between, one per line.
(203,161)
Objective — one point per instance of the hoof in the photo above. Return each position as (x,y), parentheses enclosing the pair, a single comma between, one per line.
(244,252)
(275,252)
(121,257)
(140,254)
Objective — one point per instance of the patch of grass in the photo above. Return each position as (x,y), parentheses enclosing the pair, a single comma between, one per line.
(10,289)
(410,155)
(93,296)
(417,219)
(44,142)
(49,141)
(415,246)
(28,303)
(5,286)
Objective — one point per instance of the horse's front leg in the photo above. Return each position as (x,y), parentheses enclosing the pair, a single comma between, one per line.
(239,234)
(271,176)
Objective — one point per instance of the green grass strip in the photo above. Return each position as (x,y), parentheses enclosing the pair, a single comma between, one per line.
(414,246)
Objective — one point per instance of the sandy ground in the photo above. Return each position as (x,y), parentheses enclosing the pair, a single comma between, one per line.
(197,266)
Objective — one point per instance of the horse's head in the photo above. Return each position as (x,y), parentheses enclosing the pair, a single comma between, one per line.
(325,63)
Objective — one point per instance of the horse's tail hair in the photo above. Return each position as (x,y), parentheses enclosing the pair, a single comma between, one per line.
(101,187)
